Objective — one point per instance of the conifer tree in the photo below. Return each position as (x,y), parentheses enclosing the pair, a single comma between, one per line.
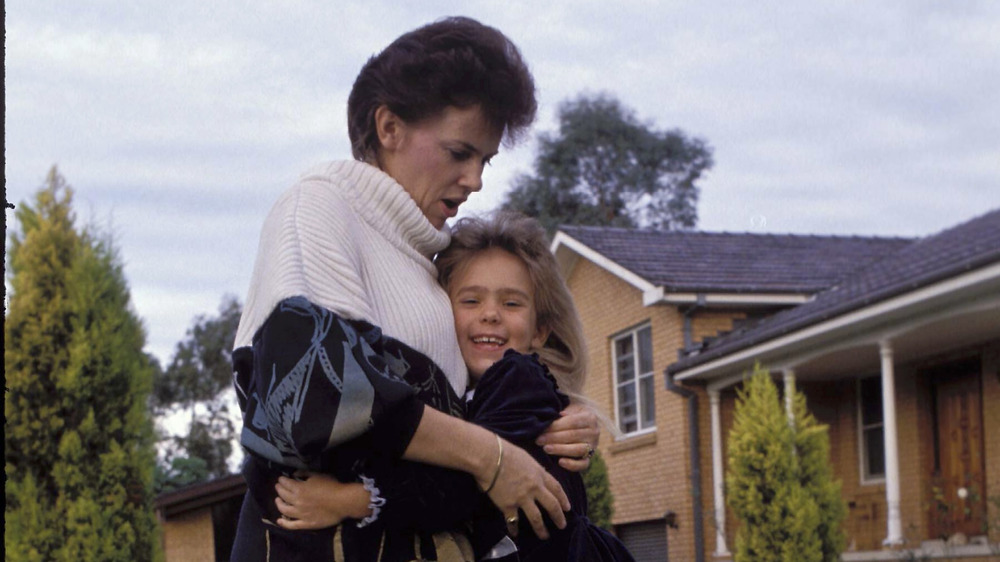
(600,503)
(779,520)
(79,456)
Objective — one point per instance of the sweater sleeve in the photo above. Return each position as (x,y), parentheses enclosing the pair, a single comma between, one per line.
(306,249)
(312,381)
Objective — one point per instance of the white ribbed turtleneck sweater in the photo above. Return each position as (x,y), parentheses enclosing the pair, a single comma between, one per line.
(350,239)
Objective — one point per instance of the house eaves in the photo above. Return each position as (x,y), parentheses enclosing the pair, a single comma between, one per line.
(944,273)
(976,290)
(202,494)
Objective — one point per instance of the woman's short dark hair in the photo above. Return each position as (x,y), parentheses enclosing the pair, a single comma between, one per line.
(451,62)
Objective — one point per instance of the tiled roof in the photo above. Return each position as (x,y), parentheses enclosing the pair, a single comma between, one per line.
(735,263)
(962,248)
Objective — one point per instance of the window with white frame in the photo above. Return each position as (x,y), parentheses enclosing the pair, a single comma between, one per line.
(633,371)
(871,429)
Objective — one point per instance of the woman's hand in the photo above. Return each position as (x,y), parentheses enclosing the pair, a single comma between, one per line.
(573,437)
(318,501)
(522,484)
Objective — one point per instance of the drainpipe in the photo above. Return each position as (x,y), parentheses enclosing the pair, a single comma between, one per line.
(687,329)
(692,398)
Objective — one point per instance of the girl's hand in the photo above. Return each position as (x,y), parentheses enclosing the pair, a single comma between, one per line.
(318,501)
(573,437)
(522,484)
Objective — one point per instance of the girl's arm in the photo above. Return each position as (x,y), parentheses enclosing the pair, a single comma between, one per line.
(318,501)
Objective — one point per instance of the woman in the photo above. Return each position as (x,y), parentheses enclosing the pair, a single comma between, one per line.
(346,334)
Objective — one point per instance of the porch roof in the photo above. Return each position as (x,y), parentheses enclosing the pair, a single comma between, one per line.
(725,262)
(963,248)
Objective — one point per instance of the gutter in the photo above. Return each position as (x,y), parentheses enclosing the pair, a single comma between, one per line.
(692,398)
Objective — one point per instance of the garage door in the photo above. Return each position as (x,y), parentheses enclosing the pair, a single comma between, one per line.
(647,540)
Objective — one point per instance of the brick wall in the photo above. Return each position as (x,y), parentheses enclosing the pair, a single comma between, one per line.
(188,536)
(650,474)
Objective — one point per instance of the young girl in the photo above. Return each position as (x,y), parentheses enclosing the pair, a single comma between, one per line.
(521,338)
(509,300)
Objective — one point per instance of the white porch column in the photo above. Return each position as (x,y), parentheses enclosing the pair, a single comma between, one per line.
(894,524)
(718,489)
(789,391)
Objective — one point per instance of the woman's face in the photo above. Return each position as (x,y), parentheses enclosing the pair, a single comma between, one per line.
(439,161)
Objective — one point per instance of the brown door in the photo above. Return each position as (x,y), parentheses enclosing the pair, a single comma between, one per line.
(959,501)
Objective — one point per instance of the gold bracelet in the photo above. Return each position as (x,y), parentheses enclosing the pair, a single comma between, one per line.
(499,460)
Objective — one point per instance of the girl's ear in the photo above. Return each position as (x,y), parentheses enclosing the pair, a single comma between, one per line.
(389,127)
(541,336)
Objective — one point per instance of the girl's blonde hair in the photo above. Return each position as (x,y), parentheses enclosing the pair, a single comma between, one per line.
(565,351)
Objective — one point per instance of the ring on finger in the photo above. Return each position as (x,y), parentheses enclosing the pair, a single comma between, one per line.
(512,520)
(589,454)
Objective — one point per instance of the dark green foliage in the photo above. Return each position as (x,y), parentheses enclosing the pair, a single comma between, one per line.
(198,380)
(79,456)
(605,167)
(779,519)
(179,472)
(600,503)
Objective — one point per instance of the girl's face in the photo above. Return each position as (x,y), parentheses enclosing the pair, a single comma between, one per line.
(439,161)
(494,305)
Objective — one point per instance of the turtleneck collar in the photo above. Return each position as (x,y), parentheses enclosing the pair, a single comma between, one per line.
(385,205)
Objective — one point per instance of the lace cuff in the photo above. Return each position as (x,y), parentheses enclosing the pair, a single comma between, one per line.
(377,501)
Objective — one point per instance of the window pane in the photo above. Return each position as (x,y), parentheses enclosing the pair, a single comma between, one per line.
(645,350)
(628,427)
(875,452)
(623,346)
(626,369)
(871,400)
(627,419)
(646,398)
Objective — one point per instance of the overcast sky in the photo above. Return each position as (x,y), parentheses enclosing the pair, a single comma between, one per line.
(178,123)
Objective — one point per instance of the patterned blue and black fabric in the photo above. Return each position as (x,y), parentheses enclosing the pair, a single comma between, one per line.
(332,395)
(518,399)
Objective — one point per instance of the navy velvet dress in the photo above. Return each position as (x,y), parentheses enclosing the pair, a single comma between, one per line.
(518,399)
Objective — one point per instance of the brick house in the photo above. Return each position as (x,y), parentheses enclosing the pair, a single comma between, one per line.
(895,342)
(199,521)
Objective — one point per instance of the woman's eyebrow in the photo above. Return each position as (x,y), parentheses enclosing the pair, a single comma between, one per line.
(471,147)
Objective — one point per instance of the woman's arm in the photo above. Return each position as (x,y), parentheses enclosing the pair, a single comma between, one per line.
(521,483)
(312,381)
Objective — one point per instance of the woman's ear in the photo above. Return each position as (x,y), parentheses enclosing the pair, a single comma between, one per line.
(389,127)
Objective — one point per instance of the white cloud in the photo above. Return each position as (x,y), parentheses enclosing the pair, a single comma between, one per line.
(187,119)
